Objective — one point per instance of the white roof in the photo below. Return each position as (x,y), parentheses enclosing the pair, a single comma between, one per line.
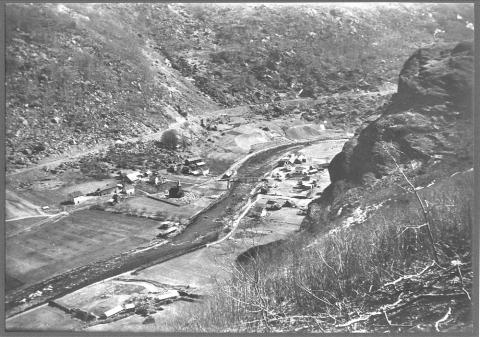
(129,306)
(133,176)
(113,311)
(169,230)
(168,294)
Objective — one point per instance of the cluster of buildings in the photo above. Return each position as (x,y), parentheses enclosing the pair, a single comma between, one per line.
(148,176)
(195,166)
(291,166)
(291,159)
(114,190)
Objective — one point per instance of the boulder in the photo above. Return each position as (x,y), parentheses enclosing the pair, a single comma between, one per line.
(438,74)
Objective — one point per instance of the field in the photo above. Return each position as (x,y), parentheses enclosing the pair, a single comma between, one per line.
(47,318)
(73,241)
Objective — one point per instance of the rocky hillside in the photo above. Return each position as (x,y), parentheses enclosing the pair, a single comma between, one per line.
(81,74)
(426,129)
(77,75)
(256,53)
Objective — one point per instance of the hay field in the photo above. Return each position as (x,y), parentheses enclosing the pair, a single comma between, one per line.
(73,241)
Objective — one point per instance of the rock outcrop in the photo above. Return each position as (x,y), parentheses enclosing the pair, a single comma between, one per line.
(427,121)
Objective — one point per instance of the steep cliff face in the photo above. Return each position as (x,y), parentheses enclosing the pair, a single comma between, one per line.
(425,128)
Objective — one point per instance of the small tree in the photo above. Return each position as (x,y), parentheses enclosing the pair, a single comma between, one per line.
(170,139)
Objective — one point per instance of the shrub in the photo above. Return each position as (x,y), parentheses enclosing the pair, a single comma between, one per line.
(170,139)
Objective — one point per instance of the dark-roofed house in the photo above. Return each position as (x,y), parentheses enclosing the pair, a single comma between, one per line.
(108,189)
(196,161)
(176,191)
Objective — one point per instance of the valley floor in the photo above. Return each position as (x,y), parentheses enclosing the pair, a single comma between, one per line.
(197,270)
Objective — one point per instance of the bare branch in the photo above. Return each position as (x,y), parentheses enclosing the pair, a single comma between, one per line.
(420,201)
(407,277)
(443,319)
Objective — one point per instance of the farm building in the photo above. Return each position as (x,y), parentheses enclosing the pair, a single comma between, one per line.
(228,174)
(168,295)
(165,232)
(111,312)
(174,168)
(109,189)
(133,177)
(205,171)
(273,205)
(300,170)
(197,161)
(300,159)
(289,203)
(117,309)
(196,172)
(323,165)
(128,189)
(154,180)
(257,211)
(176,191)
(77,197)
(287,160)
(167,224)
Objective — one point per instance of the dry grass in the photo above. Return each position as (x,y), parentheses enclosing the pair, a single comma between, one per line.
(315,284)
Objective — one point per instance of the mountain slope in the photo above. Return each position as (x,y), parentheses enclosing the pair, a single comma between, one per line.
(258,52)
(77,75)
(80,74)
(388,238)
